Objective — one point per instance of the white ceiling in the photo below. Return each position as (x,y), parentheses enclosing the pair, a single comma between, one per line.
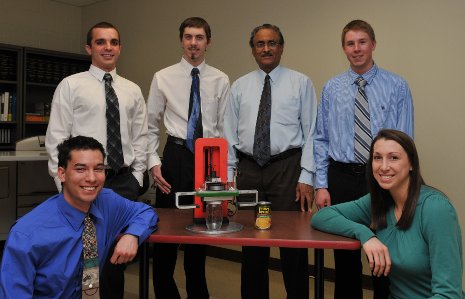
(79,3)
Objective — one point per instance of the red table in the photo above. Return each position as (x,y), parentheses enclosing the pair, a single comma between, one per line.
(289,229)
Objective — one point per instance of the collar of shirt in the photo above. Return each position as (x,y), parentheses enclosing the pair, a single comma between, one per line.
(274,74)
(99,73)
(188,67)
(74,216)
(368,76)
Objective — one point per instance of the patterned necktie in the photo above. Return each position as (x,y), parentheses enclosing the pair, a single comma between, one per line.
(90,273)
(114,148)
(194,124)
(261,145)
(362,123)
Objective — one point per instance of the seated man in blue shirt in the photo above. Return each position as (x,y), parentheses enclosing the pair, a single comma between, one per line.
(43,256)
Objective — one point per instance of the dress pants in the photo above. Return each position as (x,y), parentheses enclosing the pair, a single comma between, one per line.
(112,277)
(347,182)
(276,183)
(178,170)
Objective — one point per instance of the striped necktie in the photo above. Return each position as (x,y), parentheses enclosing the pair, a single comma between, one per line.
(261,145)
(114,148)
(362,127)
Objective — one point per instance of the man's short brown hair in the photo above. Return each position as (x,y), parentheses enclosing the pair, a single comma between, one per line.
(358,25)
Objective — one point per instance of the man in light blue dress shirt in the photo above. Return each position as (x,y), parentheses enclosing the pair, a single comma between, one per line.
(340,177)
(286,180)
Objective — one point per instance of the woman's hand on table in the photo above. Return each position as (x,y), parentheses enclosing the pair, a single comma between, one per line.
(378,257)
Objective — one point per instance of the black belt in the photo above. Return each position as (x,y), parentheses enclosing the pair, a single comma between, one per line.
(352,168)
(111,173)
(281,156)
(176,140)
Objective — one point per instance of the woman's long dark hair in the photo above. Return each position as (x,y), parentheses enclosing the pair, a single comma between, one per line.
(381,200)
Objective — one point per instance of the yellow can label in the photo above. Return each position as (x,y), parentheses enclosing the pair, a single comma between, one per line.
(263,222)
(263,216)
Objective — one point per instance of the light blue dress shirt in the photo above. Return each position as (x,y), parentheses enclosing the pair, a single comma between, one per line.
(293,114)
(391,107)
(42,256)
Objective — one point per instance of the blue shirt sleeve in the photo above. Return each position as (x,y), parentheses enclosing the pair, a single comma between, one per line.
(405,109)
(17,258)
(138,218)
(321,142)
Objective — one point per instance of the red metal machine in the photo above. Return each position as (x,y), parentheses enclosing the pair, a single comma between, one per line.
(211,182)
(211,173)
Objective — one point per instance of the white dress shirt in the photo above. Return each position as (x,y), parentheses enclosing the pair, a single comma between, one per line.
(169,97)
(79,108)
(293,116)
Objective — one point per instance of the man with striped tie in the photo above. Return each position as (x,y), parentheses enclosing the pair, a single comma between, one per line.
(354,106)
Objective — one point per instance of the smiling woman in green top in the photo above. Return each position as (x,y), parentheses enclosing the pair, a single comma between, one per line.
(408,230)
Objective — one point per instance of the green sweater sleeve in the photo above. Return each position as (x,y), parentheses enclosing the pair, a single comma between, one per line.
(351,219)
(441,231)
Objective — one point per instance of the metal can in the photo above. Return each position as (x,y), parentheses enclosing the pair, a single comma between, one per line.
(263,215)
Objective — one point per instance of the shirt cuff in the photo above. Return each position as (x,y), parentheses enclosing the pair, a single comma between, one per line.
(153,160)
(321,183)
(138,231)
(306,177)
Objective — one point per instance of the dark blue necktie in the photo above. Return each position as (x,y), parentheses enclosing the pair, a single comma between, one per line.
(114,148)
(194,124)
(261,145)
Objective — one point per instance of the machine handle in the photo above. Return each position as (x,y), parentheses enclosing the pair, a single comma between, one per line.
(248,204)
(185,207)
(240,204)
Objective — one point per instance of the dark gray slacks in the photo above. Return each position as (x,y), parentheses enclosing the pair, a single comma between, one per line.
(178,170)
(276,183)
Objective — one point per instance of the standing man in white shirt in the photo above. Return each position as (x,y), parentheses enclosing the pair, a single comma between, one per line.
(191,97)
(81,106)
(269,124)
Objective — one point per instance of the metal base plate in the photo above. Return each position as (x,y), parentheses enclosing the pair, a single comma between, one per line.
(232,227)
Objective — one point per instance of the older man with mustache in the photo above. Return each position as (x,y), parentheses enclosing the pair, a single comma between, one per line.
(269,123)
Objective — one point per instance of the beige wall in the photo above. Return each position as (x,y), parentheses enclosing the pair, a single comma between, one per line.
(422,40)
(41,24)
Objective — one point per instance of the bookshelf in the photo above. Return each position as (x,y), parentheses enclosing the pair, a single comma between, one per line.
(43,70)
(29,77)
(10,92)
